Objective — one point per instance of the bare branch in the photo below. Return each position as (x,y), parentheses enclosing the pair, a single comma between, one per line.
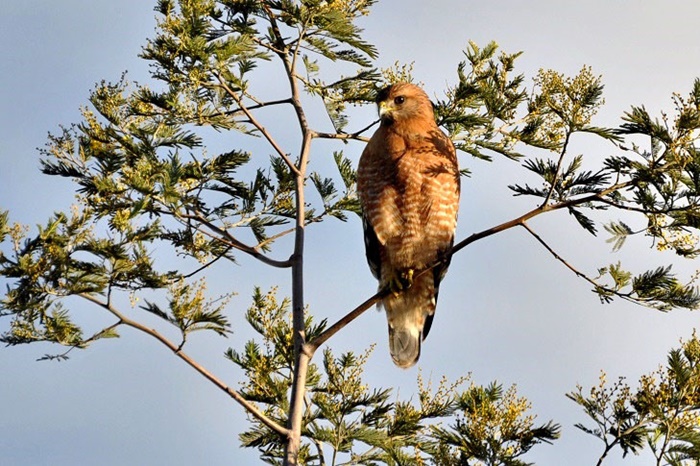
(557,173)
(209,263)
(597,197)
(254,107)
(225,237)
(251,408)
(580,274)
(316,343)
(345,136)
(558,257)
(259,126)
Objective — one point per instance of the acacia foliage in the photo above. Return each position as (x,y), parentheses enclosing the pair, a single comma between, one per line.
(659,414)
(146,181)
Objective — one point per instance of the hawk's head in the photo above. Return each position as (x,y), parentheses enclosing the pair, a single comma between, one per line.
(404,101)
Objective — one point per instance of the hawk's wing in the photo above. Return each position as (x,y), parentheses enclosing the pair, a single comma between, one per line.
(372,248)
(439,272)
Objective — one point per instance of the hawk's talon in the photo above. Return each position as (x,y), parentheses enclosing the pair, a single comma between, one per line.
(407,278)
(400,281)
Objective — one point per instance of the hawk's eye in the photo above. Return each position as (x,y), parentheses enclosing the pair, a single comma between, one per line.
(399,100)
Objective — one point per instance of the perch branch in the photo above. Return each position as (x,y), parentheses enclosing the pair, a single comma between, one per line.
(313,345)
(316,343)
(600,197)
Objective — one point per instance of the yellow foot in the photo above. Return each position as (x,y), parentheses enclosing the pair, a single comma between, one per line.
(400,280)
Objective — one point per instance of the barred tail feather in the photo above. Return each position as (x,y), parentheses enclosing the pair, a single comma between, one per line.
(404,345)
(409,314)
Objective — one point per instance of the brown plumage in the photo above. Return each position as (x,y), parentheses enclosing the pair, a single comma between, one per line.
(408,184)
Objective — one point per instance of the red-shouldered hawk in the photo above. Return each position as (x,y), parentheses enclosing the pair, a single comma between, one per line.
(408,185)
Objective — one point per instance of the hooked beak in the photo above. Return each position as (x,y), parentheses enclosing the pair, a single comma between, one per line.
(385,109)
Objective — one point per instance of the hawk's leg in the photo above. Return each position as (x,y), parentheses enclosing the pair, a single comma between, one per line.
(400,280)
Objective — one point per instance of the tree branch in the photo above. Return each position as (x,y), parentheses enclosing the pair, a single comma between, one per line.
(96,336)
(228,238)
(251,408)
(263,130)
(319,449)
(316,343)
(253,107)
(607,450)
(301,357)
(345,136)
(558,257)
(537,211)
(557,173)
(208,264)
(313,345)
(640,210)
(578,273)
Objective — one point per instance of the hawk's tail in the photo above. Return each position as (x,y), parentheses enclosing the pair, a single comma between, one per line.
(409,315)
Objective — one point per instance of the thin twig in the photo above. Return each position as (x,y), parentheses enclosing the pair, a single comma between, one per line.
(251,408)
(319,449)
(368,453)
(341,136)
(96,336)
(282,47)
(208,264)
(225,237)
(640,210)
(557,173)
(263,130)
(578,273)
(273,238)
(607,450)
(345,136)
(253,107)
(255,38)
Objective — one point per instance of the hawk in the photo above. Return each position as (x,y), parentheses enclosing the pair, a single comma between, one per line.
(408,185)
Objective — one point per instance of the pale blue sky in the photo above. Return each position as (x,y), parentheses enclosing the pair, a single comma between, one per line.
(507,310)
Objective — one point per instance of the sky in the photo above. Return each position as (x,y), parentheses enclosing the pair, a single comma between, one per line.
(508,311)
